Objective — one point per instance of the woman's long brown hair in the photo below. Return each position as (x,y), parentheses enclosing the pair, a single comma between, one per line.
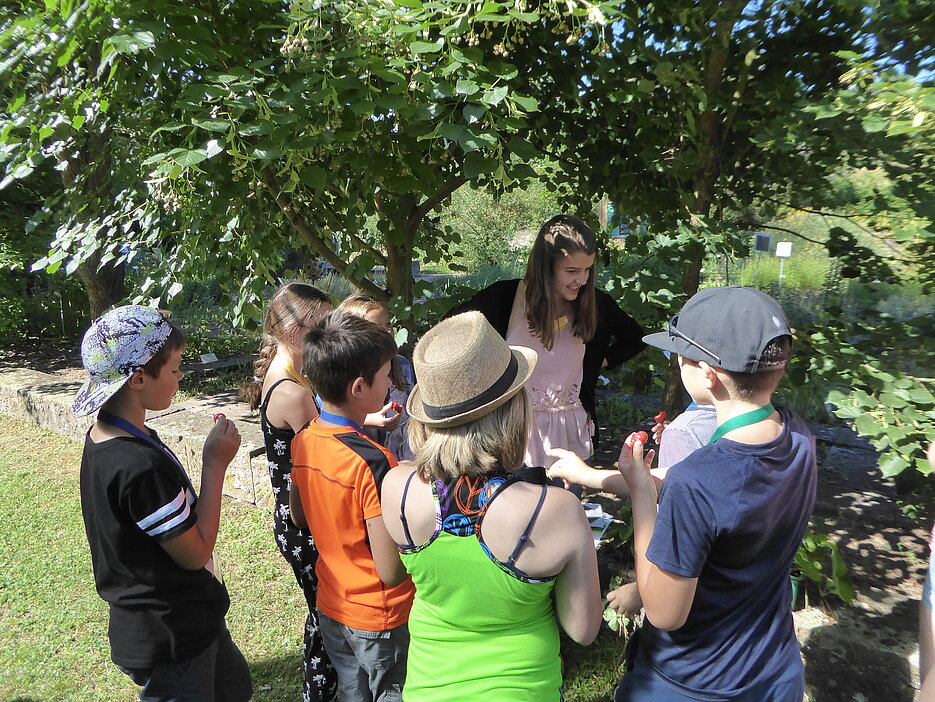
(560,236)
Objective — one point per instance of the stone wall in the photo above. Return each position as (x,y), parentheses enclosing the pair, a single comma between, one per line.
(46,400)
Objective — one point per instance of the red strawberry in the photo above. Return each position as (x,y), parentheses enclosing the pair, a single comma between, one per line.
(642,436)
(660,418)
(397,408)
(219,415)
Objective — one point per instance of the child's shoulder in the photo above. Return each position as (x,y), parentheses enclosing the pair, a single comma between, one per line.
(342,447)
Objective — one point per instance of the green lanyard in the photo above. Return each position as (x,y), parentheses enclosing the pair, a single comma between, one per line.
(742,420)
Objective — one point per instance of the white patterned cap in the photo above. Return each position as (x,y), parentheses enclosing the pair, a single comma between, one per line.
(118,344)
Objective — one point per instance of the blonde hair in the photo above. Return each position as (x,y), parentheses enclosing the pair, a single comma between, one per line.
(290,307)
(362,305)
(560,236)
(496,440)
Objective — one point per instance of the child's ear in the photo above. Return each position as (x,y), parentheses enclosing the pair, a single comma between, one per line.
(136,380)
(710,375)
(358,387)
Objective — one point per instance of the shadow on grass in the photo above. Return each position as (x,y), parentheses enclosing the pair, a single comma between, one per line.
(277,679)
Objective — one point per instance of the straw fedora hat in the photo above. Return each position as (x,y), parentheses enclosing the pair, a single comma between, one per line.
(464,370)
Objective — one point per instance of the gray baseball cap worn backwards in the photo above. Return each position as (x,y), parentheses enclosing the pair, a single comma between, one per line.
(118,344)
(727,327)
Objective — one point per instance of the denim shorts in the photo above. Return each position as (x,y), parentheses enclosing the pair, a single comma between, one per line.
(928,591)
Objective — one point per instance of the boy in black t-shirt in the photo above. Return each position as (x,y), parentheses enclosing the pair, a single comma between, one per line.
(151,538)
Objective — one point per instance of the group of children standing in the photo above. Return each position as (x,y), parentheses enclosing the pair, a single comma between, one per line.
(445,577)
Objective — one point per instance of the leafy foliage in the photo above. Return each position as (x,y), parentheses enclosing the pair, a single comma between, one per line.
(819,560)
(870,370)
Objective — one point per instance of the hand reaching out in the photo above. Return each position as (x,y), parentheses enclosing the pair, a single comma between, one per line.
(626,600)
(569,467)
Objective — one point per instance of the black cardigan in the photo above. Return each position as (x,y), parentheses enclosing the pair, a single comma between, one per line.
(495,302)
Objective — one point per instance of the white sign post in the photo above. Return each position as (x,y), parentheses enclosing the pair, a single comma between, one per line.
(784,251)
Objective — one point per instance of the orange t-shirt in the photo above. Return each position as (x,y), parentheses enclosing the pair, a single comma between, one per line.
(338,472)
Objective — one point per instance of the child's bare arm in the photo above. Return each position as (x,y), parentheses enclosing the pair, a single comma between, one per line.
(193,549)
(570,468)
(296,510)
(667,598)
(385,553)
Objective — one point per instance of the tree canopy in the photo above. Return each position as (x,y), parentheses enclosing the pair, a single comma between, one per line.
(213,135)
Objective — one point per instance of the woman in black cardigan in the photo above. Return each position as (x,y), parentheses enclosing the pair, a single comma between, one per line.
(576,329)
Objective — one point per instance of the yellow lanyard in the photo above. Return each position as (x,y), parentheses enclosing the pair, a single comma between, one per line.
(300,379)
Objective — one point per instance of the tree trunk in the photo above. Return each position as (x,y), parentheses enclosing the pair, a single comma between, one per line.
(89,171)
(105,285)
(704,180)
(399,270)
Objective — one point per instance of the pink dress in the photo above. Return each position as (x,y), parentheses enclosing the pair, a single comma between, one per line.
(559,419)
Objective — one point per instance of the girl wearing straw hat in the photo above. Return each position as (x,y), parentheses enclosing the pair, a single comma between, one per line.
(486,551)
(576,329)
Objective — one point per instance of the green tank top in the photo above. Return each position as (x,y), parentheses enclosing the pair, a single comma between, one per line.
(479,629)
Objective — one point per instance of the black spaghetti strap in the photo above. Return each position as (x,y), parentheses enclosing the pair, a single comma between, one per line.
(273,387)
(402,511)
(525,535)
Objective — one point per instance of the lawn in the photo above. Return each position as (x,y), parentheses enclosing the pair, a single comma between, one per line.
(53,626)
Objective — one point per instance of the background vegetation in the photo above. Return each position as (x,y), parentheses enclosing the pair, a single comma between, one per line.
(192,156)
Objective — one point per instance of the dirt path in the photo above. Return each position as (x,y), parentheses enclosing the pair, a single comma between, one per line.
(862,652)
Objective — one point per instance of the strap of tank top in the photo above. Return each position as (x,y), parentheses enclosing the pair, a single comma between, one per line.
(402,511)
(274,386)
(525,535)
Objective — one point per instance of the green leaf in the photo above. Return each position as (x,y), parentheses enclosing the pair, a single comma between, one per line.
(495,96)
(473,113)
(465,87)
(424,47)
(258,128)
(132,43)
(212,125)
(867,425)
(528,104)
(475,164)
(187,157)
(892,464)
(213,148)
(313,177)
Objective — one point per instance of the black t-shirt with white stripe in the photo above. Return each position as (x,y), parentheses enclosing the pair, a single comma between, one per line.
(133,497)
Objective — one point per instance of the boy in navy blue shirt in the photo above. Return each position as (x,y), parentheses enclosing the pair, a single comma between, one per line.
(712,566)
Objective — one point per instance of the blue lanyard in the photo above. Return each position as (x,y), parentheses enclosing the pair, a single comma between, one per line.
(121,423)
(338,419)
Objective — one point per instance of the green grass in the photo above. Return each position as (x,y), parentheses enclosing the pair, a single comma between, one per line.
(53,626)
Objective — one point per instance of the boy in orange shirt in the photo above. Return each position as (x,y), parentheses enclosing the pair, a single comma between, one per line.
(364,593)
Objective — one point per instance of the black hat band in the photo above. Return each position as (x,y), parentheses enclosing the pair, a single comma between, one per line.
(502,384)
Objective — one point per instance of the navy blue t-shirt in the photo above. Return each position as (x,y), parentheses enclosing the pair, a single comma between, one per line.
(733,515)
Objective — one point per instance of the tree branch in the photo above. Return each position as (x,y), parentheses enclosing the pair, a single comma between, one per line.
(437,199)
(312,238)
(757,225)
